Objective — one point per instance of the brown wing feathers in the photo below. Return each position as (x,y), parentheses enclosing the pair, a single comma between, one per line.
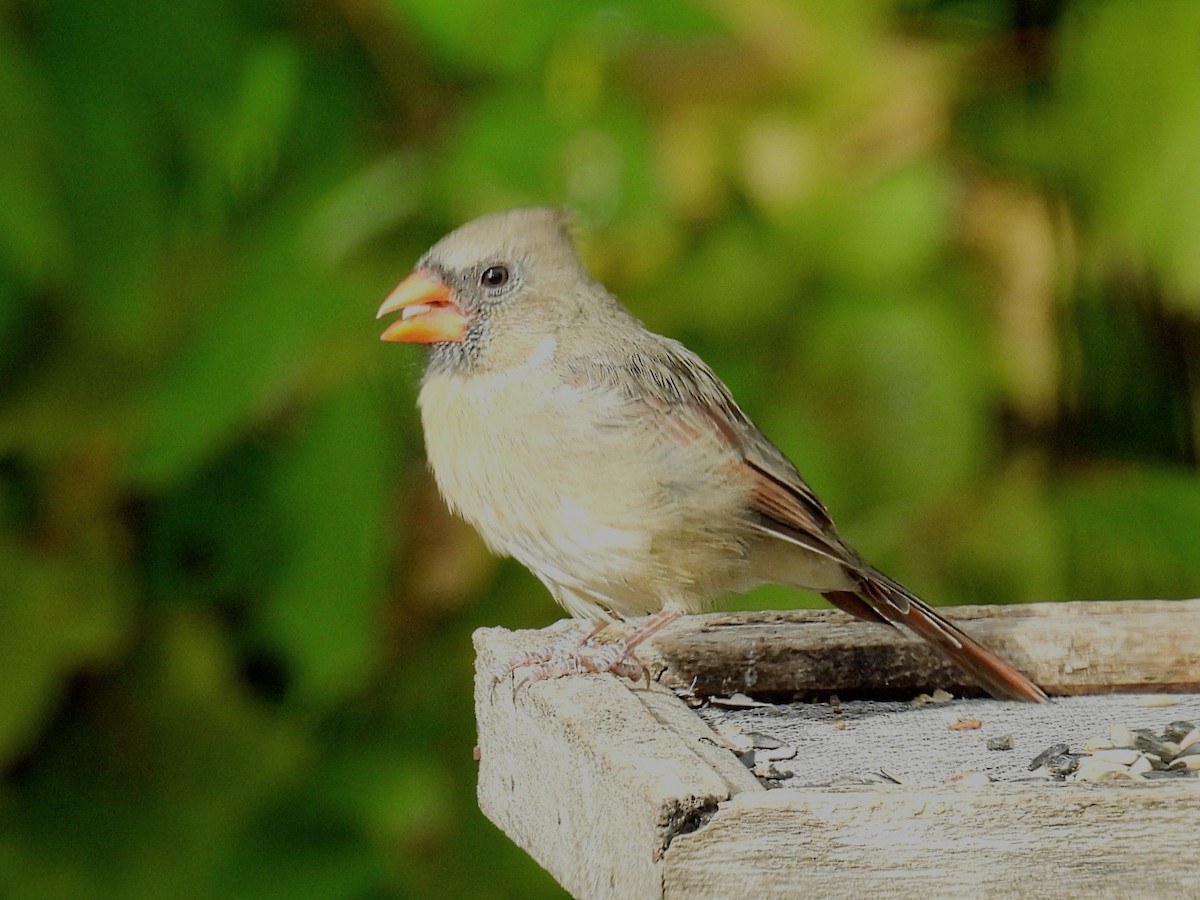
(798,516)
(783,505)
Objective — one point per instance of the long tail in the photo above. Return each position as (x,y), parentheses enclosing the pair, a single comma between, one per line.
(885,600)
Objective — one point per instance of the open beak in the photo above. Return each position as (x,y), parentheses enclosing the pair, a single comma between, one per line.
(427,314)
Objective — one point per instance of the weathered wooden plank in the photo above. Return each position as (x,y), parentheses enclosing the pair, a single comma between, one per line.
(591,778)
(999,840)
(622,792)
(1067,648)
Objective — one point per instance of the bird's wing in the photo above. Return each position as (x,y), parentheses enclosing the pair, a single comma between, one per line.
(688,402)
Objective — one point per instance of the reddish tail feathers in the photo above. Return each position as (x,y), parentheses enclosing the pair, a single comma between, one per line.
(888,601)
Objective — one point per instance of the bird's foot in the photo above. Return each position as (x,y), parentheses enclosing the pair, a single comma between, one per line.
(587,659)
(580,654)
(566,646)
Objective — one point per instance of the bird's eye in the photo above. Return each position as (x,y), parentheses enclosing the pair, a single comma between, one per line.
(494,276)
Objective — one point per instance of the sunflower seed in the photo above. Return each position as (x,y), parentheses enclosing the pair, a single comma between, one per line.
(1121,756)
(1151,743)
(1063,764)
(1005,742)
(1051,751)
(761,741)
(1121,736)
(1092,769)
(971,779)
(1177,731)
(1140,766)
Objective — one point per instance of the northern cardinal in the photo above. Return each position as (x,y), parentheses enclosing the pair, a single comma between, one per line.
(611,460)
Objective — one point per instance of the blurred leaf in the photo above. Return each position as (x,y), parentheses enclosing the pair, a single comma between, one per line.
(244,353)
(149,785)
(462,46)
(732,282)
(1002,543)
(331,490)
(889,233)
(902,391)
(1132,534)
(251,146)
(218,539)
(33,235)
(298,853)
(57,617)
(1130,84)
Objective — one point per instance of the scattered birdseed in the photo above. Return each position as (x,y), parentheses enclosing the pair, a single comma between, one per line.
(738,743)
(1062,765)
(1187,762)
(1138,753)
(965,725)
(762,741)
(937,698)
(737,701)
(1121,736)
(971,779)
(1141,766)
(1177,731)
(1122,756)
(1053,750)
(770,772)
(910,742)
(857,780)
(1156,700)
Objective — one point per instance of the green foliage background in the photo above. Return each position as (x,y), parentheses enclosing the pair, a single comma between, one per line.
(947,253)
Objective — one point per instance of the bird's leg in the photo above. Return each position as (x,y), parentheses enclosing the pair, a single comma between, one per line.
(651,626)
(615,658)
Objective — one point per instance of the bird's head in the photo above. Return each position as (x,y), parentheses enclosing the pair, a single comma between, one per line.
(492,291)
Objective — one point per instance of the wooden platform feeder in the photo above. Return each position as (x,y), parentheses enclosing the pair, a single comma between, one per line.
(624,791)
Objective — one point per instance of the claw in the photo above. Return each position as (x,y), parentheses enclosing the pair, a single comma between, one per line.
(579,656)
(540,656)
(532,657)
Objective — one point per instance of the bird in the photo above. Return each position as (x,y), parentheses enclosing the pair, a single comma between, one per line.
(611,461)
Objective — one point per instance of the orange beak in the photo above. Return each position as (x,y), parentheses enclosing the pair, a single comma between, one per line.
(427,314)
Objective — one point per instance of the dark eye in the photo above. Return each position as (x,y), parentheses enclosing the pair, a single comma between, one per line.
(494,276)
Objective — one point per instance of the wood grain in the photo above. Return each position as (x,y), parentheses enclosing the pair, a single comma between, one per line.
(623,791)
(1000,840)
(1067,648)
(594,779)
